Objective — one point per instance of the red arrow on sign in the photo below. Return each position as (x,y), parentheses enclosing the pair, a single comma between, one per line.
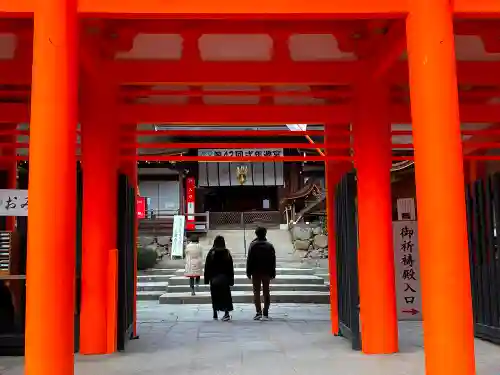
(412,311)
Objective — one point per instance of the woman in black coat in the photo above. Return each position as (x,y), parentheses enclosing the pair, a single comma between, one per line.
(219,273)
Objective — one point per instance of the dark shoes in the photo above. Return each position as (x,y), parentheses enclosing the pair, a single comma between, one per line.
(260,316)
(226,317)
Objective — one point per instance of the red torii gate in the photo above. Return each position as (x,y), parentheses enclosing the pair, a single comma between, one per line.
(367,103)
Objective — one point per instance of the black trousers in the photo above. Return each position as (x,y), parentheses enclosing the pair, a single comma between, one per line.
(264,281)
(194,279)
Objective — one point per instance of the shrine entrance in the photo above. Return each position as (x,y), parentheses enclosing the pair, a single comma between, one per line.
(389,81)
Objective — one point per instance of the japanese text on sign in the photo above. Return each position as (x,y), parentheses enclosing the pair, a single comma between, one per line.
(13,202)
(190,202)
(241,152)
(407,270)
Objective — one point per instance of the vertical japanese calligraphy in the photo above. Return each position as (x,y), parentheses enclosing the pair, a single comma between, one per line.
(190,202)
(407,270)
(141,207)
(178,237)
(13,202)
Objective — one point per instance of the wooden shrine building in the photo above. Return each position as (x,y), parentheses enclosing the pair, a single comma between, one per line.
(355,66)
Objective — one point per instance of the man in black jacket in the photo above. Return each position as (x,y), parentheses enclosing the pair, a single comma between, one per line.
(261,269)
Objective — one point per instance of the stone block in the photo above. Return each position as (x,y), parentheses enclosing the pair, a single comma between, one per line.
(302,245)
(301,233)
(320,241)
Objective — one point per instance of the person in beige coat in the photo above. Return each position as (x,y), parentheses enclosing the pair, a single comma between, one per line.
(194,263)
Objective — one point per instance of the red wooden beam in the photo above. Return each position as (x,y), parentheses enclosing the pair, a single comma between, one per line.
(390,50)
(482,73)
(227,133)
(233,114)
(253,114)
(182,158)
(477,8)
(258,73)
(196,145)
(210,26)
(468,73)
(338,94)
(4,158)
(320,73)
(482,141)
(257,9)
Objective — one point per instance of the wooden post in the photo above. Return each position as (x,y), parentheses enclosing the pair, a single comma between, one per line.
(50,296)
(445,275)
(372,159)
(99,236)
(129,167)
(333,173)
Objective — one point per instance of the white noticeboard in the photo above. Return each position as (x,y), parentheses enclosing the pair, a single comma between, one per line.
(13,202)
(407,262)
(178,236)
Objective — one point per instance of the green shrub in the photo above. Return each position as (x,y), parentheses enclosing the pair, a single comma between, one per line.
(146,258)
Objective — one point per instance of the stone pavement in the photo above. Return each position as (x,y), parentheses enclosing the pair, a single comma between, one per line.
(183,340)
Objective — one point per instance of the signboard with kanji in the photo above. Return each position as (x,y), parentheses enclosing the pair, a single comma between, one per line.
(407,262)
(190,202)
(178,237)
(242,152)
(13,202)
(141,207)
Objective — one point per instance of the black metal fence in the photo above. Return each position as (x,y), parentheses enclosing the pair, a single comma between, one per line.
(125,245)
(248,219)
(347,259)
(483,212)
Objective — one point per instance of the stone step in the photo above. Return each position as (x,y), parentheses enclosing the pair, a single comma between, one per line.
(248,288)
(149,296)
(279,271)
(247,297)
(325,276)
(159,271)
(152,287)
(153,278)
(242,279)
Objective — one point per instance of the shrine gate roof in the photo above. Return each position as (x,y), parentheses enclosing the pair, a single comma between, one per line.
(216,64)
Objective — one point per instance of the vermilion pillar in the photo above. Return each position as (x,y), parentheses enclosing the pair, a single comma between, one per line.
(372,160)
(445,275)
(100,140)
(50,299)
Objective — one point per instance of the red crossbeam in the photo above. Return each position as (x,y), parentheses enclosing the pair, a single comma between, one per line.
(177,158)
(173,145)
(228,133)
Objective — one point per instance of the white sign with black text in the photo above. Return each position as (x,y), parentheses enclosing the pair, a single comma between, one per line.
(241,152)
(13,202)
(178,237)
(407,264)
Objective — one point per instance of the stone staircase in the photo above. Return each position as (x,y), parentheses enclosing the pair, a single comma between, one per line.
(295,282)
(292,285)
